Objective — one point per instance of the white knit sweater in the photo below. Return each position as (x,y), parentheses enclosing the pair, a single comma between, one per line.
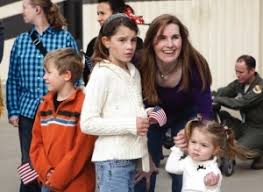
(193,171)
(112,103)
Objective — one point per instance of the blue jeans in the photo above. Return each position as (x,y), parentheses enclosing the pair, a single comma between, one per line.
(25,136)
(115,175)
(155,140)
(45,189)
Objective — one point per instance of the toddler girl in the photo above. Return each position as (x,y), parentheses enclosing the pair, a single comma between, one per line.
(206,140)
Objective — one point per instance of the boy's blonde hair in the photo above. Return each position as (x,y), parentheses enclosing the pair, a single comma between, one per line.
(66,59)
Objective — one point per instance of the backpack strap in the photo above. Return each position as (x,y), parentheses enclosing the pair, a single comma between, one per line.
(38,43)
(87,67)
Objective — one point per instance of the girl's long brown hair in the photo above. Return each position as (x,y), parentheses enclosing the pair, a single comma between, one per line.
(189,57)
(54,17)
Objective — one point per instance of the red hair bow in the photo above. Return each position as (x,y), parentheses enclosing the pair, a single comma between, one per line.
(130,13)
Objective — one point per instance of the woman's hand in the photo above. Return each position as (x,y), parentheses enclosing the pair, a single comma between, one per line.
(180,140)
(147,175)
(14,120)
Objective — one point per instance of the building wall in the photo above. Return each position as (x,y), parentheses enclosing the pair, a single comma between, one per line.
(224,30)
(260,42)
(10,13)
(221,30)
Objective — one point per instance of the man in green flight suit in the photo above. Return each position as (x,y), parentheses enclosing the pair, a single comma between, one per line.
(246,95)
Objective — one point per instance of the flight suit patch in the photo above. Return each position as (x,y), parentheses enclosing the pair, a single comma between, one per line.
(257,89)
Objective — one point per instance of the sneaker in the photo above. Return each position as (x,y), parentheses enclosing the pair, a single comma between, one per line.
(257,163)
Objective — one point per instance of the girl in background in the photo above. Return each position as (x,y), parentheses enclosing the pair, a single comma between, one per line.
(205,141)
(113,108)
(105,9)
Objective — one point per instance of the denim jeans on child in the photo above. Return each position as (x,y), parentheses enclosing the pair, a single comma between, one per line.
(45,189)
(115,175)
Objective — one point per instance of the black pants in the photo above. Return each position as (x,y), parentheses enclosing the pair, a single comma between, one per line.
(25,137)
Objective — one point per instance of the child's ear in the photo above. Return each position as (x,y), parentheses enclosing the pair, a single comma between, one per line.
(67,75)
(106,41)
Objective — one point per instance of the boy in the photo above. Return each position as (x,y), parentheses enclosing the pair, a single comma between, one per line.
(59,152)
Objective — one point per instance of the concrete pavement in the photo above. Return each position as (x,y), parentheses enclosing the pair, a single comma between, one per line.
(244,179)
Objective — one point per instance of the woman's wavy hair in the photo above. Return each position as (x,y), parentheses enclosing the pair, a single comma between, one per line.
(189,57)
(51,10)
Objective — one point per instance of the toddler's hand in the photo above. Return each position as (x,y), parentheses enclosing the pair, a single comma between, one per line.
(211,179)
(142,125)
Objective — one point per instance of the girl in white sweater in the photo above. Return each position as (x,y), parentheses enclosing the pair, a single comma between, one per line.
(113,108)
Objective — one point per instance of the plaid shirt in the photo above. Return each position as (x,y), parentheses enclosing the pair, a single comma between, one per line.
(25,84)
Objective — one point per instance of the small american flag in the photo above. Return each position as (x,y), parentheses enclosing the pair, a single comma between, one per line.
(158,115)
(26,173)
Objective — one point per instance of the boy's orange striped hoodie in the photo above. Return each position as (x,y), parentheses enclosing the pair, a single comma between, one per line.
(59,144)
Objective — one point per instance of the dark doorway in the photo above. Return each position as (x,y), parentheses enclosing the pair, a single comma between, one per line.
(72,10)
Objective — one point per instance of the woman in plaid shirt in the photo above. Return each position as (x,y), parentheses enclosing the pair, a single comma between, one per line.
(25,84)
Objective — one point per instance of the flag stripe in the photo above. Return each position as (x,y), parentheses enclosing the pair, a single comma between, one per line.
(26,173)
(30,178)
(159,115)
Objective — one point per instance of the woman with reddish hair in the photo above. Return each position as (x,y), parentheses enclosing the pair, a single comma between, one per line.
(176,77)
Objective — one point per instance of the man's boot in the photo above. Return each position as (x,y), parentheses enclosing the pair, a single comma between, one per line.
(257,163)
